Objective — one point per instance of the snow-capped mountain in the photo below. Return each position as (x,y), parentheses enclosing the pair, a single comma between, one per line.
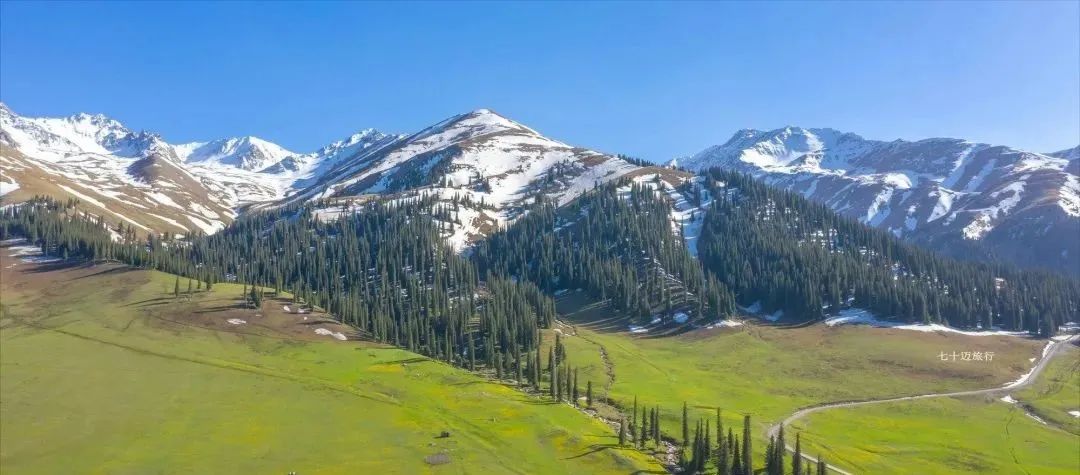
(485,167)
(140,179)
(956,196)
(1072,154)
(245,153)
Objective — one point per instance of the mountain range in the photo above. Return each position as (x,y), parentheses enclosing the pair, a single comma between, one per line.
(965,199)
(962,198)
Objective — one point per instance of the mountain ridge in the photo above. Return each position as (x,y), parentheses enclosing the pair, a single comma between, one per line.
(479,160)
(956,196)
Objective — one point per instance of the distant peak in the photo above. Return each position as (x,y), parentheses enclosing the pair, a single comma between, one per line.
(92,118)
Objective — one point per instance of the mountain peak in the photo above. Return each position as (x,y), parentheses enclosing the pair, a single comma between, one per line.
(246,152)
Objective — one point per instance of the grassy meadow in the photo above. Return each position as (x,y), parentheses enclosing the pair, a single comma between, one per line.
(105,372)
(770,372)
(940,436)
(1056,392)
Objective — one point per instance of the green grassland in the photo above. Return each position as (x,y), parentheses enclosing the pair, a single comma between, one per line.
(104,372)
(1057,391)
(770,372)
(947,435)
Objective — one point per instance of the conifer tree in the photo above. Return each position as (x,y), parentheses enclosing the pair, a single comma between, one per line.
(622,432)
(645,429)
(656,425)
(575,392)
(555,394)
(685,427)
(737,465)
(176,287)
(796,462)
(780,449)
(747,452)
(588,393)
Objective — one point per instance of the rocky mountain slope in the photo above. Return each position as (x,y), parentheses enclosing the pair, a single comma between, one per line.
(966,199)
(478,170)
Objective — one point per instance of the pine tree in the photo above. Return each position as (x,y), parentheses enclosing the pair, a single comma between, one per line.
(575,395)
(685,427)
(656,426)
(780,449)
(796,462)
(645,429)
(770,457)
(747,452)
(737,466)
(701,453)
(720,458)
(554,385)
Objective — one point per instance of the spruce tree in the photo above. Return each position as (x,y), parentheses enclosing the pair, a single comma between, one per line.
(685,427)
(747,452)
(575,393)
(796,462)
(781,450)
(737,466)
(656,425)
(645,429)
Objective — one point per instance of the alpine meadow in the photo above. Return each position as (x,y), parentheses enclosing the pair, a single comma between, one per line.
(479,297)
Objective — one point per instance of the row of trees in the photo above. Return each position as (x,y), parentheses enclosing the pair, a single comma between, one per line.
(384,270)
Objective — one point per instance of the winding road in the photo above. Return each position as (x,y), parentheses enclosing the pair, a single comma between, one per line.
(1055,348)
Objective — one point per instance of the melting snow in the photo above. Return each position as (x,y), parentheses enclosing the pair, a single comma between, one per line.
(1026,376)
(725,324)
(856,316)
(6,187)
(336,335)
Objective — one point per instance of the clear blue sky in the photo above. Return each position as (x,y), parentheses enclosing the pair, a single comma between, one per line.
(652,80)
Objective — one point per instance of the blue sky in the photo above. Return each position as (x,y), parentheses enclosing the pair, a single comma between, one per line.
(651,80)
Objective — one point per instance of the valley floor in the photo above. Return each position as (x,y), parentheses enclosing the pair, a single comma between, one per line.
(771,372)
(104,371)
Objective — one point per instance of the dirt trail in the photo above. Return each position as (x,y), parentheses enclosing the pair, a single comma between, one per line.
(1055,347)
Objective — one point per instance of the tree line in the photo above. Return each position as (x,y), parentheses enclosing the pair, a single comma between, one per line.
(775,247)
